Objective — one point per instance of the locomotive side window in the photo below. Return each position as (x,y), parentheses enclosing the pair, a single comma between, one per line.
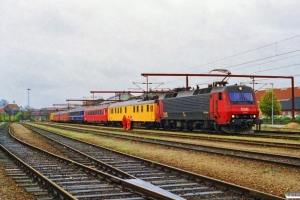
(220,96)
(241,98)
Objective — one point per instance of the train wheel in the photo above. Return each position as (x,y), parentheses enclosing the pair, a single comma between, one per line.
(216,126)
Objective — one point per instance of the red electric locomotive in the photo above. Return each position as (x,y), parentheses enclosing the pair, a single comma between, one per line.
(218,107)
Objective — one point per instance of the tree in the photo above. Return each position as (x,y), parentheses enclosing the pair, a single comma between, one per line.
(265,104)
(24,115)
(4,117)
(3,103)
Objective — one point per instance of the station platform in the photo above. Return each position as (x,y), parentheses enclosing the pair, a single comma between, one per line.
(274,125)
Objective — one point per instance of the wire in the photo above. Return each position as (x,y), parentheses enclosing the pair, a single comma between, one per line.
(263,58)
(243,52)
(269,62)
(275,68)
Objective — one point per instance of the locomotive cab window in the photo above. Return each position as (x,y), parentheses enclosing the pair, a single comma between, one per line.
(241,98)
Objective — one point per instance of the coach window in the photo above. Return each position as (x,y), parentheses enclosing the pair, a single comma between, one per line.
(220,96)
(142,108)
(151,108)
(137,108)
(133,108)
(120,110)
(147,108)
(125,109)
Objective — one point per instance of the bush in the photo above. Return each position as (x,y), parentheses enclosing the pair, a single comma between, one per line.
(286,118)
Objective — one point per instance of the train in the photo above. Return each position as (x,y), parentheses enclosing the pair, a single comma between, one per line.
(218,107)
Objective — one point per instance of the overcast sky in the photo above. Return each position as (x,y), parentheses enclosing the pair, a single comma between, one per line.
(63,49)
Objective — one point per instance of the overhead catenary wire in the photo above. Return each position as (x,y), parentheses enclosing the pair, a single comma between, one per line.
(238,54)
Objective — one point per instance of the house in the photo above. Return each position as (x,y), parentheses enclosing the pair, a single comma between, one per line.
(284,95)
(12,109)
(1,111)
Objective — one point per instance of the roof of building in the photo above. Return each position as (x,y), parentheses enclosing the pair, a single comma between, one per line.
(12,106)
(1,110)
(287,104)
(281,93)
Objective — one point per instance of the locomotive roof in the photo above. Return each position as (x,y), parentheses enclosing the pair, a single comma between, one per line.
(231,88)
(128,103)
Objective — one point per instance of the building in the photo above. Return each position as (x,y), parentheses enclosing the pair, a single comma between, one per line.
(284,95)
(1,111)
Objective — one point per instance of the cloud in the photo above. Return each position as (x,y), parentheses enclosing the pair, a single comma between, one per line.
(65,49)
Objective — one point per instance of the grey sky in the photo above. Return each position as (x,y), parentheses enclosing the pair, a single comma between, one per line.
(64,49)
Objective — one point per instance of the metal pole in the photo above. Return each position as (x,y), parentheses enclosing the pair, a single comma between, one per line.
(28,104)
(28,97)
(272,104)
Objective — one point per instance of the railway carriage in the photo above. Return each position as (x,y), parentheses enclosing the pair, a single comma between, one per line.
(143,112)
(76,115)
(64,116)
(96,114)
(51,117)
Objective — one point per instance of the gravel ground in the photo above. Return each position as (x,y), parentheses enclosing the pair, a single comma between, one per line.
(273,179)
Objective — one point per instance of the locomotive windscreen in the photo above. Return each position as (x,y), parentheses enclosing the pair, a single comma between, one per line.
(241,98)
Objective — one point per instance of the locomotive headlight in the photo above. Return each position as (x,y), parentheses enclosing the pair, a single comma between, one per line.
(233,116)
(254,116)
(240,88)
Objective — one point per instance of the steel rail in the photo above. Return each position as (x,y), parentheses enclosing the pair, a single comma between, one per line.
(210,138)
(126,184)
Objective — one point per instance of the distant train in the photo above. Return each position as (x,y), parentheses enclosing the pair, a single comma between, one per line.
(231,109)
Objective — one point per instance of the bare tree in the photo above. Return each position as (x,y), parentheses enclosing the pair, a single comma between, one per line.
(3,103)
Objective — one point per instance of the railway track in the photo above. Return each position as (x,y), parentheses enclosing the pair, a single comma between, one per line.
(197,135)
(284,160)
(182,183)
(212,138)
(65,179)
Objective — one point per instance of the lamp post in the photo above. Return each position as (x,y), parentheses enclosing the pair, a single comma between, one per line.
(28,96)
(28,103)
(272,103)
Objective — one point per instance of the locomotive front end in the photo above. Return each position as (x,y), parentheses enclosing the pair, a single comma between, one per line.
(243,110)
